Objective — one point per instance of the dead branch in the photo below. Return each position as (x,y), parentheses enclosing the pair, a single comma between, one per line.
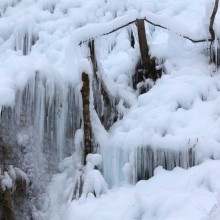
(212,19)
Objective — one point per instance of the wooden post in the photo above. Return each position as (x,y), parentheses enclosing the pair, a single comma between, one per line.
(85,91)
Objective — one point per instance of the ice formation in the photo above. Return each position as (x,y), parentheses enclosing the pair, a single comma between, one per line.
(43,52)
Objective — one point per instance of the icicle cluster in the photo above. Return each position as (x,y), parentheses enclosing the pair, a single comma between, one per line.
(24,41)
(124,165)
(41,126)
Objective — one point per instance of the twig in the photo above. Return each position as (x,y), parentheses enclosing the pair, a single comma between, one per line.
(30,201)
(131,22)
(188,38)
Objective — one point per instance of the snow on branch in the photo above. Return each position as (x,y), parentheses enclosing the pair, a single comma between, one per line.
(163,27)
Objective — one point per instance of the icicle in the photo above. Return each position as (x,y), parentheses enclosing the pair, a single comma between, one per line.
(4,4)
(49,5)
(25,37)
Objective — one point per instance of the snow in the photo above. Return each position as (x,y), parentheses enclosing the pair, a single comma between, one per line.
(93,181)
(54,31)
(179,194)
(94,159)
(6,181)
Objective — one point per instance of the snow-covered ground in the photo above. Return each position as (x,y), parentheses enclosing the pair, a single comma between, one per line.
(180,112)
(179,194)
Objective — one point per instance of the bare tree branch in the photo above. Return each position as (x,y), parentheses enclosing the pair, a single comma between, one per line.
(195,41)
(131,22)
(212,19)
(156,25)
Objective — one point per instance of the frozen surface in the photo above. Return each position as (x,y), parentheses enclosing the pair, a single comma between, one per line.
(43,51)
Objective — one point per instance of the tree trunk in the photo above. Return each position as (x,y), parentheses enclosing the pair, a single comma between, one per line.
(149,66)
(85,91)
(144,49)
